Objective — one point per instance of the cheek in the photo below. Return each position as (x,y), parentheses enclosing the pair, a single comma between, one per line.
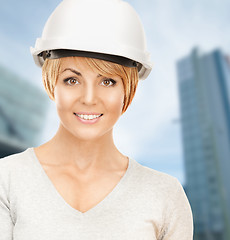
(62,98)
(115,100)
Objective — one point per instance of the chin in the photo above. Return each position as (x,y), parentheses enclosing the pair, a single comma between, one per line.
(88,135)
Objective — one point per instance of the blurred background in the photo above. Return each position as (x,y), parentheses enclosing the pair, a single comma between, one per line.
(179,120)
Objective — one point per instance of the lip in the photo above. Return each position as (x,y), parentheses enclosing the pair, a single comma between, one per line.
(88,113)
(93,121)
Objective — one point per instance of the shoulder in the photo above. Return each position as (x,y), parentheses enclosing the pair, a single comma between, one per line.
(156,179)
(13,169)
(164,190)
(156,184)
(14,162)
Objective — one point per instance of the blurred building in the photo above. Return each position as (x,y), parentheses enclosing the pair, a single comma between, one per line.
(204,89)
(22,113)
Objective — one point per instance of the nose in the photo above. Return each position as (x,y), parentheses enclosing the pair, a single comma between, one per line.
(88,95)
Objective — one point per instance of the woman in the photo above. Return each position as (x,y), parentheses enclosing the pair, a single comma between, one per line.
(78,185)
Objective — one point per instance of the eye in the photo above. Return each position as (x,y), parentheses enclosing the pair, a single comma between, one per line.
(70,81)
(109,82)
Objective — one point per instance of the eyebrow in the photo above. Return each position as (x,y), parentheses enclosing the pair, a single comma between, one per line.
(76,72)
(72,70)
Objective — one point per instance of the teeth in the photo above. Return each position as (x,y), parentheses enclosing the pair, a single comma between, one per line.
(88,117)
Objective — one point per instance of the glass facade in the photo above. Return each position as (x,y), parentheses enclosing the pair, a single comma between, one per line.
(22,113)
(204,82)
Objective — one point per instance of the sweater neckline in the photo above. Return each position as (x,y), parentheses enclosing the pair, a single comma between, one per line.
(99,206)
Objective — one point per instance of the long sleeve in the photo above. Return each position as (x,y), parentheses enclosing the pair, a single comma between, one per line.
(178,217)
(6,224)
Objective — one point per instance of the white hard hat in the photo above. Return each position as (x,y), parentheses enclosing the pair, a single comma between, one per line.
(104,29)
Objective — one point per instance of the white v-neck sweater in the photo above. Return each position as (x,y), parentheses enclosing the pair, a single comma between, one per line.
(144,205)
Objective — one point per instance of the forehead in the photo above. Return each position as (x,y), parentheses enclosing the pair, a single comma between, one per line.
(77,64)
(73,62)
(92,66)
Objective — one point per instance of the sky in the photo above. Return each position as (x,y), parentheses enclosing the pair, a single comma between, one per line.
(150,130)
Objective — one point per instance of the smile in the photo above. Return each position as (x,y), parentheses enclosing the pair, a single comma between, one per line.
(88,117)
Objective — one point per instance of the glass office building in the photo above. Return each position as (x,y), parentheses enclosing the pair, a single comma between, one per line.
(22,113)
(204,90)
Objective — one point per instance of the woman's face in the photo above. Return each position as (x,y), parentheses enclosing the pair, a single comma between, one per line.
(81,94)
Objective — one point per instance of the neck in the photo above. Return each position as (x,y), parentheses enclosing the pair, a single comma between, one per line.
(95,153)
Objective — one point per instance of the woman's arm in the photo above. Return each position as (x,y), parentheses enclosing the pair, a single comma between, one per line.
(178,224)
(6,224)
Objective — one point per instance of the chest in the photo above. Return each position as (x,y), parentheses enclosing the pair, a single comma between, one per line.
(80,192)
(128,213)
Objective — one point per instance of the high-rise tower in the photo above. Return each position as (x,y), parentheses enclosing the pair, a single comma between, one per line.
(204,89)
(22,113)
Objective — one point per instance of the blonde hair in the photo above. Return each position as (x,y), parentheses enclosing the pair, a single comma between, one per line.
(129,76)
